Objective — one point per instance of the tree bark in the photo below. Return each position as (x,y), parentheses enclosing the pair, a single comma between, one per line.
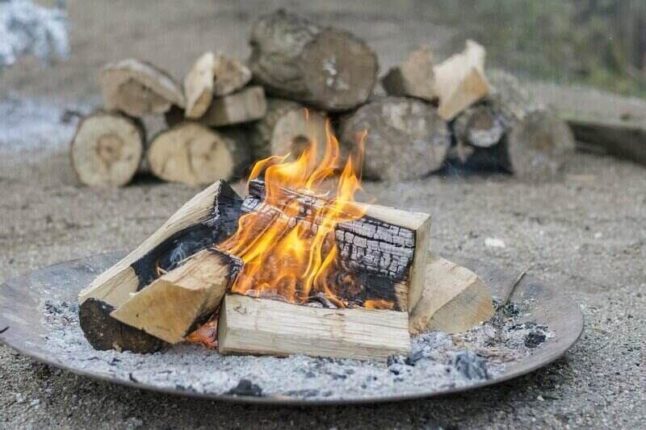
(296,59)
(406,139)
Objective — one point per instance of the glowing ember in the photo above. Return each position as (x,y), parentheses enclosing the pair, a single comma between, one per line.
(291,252)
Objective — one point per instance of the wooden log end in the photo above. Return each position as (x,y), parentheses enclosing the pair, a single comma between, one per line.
(246,105)
(414,77)
(193,154)
(107,149)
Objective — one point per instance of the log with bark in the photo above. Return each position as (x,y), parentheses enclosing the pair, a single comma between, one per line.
(107,149)
(298,60)
(138,88)
(406,138)
(601,122)
(193,154)
(414,77)
(212,75)
(510,131)
(286,128)
(259,326)
(208,218)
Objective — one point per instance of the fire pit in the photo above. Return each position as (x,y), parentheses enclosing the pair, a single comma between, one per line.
(38,317)
(307,295)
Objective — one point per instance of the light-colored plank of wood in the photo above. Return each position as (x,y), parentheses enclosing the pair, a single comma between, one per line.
(454,299)
(246,105)
(261,326)
(138,88)
(115,285)
(171,306)
(460,80)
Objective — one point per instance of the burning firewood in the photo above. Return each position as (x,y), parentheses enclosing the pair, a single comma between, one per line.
(107,149)
(287,128)
(406,138)
(255,326)
(138,88)
(384,247)
(206,219)
(193,154)
(414,77)
(454,299)
(176,302)
(210,76)
(325,67)
(460,80)
(248,104)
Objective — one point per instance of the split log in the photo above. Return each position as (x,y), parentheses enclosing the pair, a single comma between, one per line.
(454,299)
(385,249)
(207,218)
(193,154)
(212,75)
(287,128)
(414,77)
(406,138)
(107,149)
(460,80)
(602,122)
(261,326)
(138,88)
(246,105)
(296,59)
(176,303)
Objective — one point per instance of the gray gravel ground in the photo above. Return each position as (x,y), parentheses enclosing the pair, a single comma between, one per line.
(586,233)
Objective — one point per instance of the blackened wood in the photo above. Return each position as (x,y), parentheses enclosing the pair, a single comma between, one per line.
(104,332)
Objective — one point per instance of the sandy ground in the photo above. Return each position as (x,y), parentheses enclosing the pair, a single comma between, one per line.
(585,233)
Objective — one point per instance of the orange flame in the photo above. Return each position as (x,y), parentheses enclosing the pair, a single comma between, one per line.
(286,251)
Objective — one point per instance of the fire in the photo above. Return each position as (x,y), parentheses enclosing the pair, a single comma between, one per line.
(289,252)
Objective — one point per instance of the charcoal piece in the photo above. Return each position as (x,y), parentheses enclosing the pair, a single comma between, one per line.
(246,388)
(534,338)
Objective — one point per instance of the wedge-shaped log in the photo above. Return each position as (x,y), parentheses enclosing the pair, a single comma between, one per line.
(261,326)
(414,77)
(387,246)
(138,88)
(212,75)
(174,304)
(454,299)
(248,104)
(206,219)
(460,80)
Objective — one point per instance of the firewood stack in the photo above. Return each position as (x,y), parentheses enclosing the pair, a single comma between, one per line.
(228,113)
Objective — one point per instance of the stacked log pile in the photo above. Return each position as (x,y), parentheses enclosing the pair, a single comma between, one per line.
(299,78)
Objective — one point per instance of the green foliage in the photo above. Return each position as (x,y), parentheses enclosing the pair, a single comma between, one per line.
(588,41)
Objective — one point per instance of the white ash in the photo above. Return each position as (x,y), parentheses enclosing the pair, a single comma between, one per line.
(437,361)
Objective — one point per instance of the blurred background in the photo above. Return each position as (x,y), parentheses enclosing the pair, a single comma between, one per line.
(601,43)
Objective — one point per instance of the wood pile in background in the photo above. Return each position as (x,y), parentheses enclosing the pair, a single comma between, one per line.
(438,115)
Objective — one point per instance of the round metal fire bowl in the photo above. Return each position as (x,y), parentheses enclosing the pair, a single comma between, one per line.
(22,326)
